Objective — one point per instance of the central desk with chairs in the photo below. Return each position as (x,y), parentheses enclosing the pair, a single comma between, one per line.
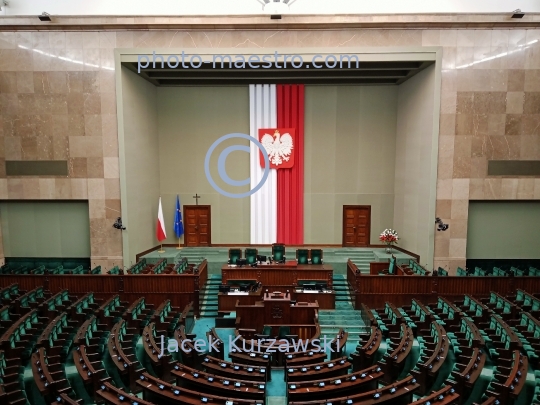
(306,277)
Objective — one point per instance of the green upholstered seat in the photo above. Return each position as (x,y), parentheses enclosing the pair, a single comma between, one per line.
(267,330)
(234,255)
(284,331)
(251,255)
(302,256)
(316,256)
(278,252)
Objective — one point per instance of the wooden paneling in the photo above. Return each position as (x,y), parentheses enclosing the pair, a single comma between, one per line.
(376,267)
(374,291)
(285,274)
(179,288)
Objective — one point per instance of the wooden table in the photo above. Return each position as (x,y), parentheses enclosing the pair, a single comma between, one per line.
(278,274)
(227,301)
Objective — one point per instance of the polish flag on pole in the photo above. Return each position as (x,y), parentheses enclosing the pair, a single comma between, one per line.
(160,228)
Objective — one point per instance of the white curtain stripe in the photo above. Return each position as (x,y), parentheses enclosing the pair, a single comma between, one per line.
(262,105)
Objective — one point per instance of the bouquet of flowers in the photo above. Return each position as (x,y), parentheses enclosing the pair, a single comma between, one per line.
(389,236)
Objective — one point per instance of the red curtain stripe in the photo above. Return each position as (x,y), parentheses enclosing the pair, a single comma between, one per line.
(290,182)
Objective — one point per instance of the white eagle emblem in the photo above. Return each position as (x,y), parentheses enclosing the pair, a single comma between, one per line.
(278,149)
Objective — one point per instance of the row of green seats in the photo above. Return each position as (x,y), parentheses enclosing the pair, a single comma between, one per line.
(57,301)
(446,308)
(9,293)
(380,323)
(433,331)
(162,265)
(528,331)
(82,305)
(112,306)
(391,315)
(138,313)
(473,306)
(22,337)
(12,374)
(114,271)
(442,272)
(499,272)
(479,272)
(93,335)
(4,315)
(461,272)
(138,267)
(31,298)
(182,265)
(533,272)
(496,325)
(164,318)
(57,336)
(499,389)
(416,268)
(500,303)
(524,299)
(421,316)
(468,334)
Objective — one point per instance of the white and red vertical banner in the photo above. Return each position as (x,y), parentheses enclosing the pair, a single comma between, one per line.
(262,114)
(160,225)
(290,182)
(277,121)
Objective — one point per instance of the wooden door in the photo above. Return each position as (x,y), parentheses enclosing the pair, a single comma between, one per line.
(356,225)
(197,225)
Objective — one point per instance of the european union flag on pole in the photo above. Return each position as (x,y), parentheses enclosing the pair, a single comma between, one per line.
(178,224)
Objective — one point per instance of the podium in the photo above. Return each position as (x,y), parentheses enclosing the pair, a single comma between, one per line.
(275,309)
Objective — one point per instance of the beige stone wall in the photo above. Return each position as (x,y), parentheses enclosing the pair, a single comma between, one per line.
(57,101)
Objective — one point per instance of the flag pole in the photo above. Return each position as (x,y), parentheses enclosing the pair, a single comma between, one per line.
(179,247)
(161,249)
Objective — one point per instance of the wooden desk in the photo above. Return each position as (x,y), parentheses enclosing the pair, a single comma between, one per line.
(161,362)
(161,391)
(468,373)
(227,301)
(363,380)
(400,392)
(396,359)
(218,385)
(366,352)
(279,274)
(116,396)
(275,308)
(89,367)
(225,368)
(327,369)
(429,369)
(448,394)
(326,300)
(302,358)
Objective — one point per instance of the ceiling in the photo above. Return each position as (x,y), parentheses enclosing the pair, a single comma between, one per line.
(367,73)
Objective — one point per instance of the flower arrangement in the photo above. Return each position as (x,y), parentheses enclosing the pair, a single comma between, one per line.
(389,236)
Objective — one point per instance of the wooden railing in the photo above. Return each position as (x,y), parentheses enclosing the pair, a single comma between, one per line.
(181,289)
(400,290)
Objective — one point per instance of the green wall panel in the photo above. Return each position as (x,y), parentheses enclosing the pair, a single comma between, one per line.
(45,228)
(503,230)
